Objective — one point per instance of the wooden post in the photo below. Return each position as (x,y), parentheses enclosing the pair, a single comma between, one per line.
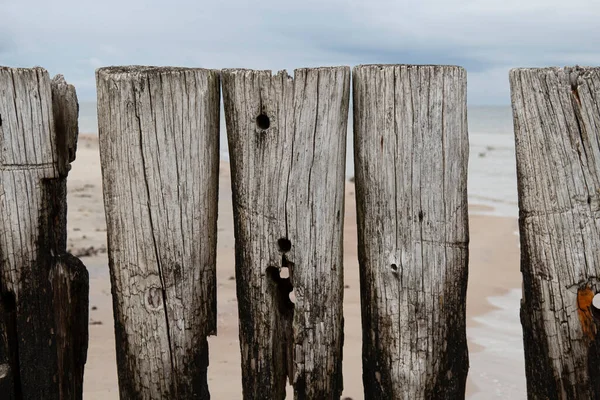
(43,289)
(410,154)
(557,131)
(159,148)
(287,141)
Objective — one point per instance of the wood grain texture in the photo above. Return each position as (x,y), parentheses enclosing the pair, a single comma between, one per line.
(288,196)
(65,111)
(556,114)
(411,153)
(159,148)
(43,290)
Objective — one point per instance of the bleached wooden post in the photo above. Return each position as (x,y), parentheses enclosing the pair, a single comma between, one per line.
(159,147)
(43,289)
(411,153)
(556,114)
(287,141)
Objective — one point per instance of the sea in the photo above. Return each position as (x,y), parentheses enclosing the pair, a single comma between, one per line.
(498,370)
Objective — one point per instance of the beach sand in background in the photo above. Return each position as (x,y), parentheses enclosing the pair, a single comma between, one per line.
(493,275)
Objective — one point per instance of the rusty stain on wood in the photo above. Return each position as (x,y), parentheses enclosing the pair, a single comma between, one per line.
(585,296)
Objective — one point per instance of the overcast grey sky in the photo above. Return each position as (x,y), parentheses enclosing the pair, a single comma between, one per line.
(487,37)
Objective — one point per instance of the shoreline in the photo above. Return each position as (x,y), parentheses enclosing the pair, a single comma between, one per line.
(494,272)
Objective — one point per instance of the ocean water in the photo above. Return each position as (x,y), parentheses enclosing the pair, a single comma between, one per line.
(499,369)
(492,177)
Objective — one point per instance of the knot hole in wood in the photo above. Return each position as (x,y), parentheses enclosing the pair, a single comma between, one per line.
(9,301)
(284,244)
(154,299)
(595,307)
(263,122)
(285,289)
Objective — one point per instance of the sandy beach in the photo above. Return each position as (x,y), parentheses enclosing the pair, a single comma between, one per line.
(493,278)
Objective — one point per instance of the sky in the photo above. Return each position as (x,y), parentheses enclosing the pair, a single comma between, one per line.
(487,37)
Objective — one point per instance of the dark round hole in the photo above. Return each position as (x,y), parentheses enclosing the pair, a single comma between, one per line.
(273,273)
(595,307)
(394,268)
(9,301)
(284,244)
(263,121)
(596,301)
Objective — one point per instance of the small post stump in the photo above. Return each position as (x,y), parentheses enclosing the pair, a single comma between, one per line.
(44,292)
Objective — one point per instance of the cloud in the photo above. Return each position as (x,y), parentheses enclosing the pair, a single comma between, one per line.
(73,37)
(92,62)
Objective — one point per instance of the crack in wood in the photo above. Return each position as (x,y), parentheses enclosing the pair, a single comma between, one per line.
(28,167)
(153,235)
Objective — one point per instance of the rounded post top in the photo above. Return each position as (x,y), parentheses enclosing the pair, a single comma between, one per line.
(116,72)
(236,71)
(406,66)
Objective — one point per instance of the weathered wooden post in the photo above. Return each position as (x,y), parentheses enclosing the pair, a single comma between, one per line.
(159,147)
(43,289)
(287,141)
(411,153)
(556,114)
